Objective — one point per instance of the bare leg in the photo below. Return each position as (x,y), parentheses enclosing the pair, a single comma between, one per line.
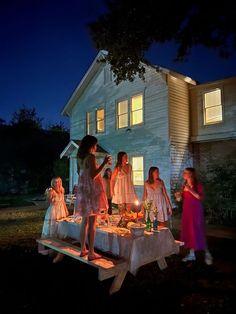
(92,232)
(83,235)
(128,207)
(58,258)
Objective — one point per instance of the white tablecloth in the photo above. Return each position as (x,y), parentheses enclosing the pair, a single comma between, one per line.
(138,251)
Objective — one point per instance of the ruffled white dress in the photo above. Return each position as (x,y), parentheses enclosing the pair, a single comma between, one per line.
(56,210)
(124,192)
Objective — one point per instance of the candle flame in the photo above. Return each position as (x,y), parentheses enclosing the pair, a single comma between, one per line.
(136,202)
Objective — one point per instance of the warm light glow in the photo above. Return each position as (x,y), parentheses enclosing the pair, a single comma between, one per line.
(137,109)
(213,107)
(137,165)
(136,202)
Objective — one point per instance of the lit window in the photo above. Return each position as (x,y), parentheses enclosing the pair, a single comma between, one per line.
(137,109)
(100,116)
(122,114)
(212,107)
(89,123)
(137,167)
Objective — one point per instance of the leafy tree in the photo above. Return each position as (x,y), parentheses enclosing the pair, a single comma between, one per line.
(130,27)
(26,118)
(58,127)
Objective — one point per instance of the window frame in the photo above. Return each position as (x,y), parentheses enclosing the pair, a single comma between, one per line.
(133,170)
(89,123)
(205,123)
(131,111)
(117,114)
(97,121)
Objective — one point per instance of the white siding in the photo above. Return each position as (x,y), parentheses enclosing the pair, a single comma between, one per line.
(179,127)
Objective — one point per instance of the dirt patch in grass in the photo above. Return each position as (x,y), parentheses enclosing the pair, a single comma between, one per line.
(29,280)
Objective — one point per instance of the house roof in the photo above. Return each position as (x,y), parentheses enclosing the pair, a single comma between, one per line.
(74,145)
(84,82)
(94,68)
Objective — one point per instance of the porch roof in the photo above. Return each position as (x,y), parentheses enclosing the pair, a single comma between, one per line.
(74,145)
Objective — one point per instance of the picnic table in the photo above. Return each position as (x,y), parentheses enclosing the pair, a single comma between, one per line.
(130,253)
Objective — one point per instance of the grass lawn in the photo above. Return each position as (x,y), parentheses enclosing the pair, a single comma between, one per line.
(29,280)
(14,200)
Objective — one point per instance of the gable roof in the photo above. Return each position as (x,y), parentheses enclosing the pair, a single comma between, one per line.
(96,64)
(74,145)
(84,82)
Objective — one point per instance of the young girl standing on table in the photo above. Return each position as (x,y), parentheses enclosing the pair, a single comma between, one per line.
(56,210)
(155,191)
(91,197)
(122,189)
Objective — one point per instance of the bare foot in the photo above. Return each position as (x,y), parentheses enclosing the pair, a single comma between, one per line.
(94,256)
(83,253)
(58,258)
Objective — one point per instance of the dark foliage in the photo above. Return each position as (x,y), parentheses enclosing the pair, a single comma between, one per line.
(129,28)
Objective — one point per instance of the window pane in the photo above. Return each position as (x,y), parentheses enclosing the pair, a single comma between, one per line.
(214,114)
(122,107)
(137,117)
(136,109)
(138,178)
(100,126)
(137,167)
(212,98)
(100,114)
(123,121)
(137,102)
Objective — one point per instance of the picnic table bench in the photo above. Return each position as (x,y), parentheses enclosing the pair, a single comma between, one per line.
(107,267)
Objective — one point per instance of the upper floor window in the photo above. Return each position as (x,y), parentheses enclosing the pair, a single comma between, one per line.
(138,173)
(122,114)
(89,123)
(136,109)
(212,107)
(100,119)
(130,112)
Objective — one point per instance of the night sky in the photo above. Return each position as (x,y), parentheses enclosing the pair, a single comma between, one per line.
(46,49)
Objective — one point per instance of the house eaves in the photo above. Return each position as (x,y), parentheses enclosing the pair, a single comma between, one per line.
(83,83)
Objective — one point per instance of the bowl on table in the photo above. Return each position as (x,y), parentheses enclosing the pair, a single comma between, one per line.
(137,229)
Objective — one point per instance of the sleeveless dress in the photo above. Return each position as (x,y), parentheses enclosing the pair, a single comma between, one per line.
(56,210)
(91,197)
(192,222)
(124,192)
(158,200)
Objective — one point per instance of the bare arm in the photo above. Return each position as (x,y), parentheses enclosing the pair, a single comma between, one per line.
(167,198)
(197,194)
(112,182)
(94,171)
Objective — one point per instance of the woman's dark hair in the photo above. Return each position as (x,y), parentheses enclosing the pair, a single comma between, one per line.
(105,173)
(193,174)
(119,159)
(150,179)
(87,142)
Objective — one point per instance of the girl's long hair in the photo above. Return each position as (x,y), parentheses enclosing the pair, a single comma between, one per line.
(105,176)
(119,159)
(87,142)
(193,175)
(150,179)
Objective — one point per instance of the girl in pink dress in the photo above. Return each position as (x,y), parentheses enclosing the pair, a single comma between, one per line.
(122,189)
(91,197)
(192,223)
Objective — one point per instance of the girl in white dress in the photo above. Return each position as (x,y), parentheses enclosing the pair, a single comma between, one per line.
(56,210)
(155,191)
(91,197)
(122,188)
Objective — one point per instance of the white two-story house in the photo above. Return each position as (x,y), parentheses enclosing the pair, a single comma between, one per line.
(157,122)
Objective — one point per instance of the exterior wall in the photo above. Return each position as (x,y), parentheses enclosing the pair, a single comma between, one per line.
(150,139)
(219,131)
(213,152)
(179,128)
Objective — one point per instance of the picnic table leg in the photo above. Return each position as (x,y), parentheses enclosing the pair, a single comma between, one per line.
(117,282)
(162,263)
